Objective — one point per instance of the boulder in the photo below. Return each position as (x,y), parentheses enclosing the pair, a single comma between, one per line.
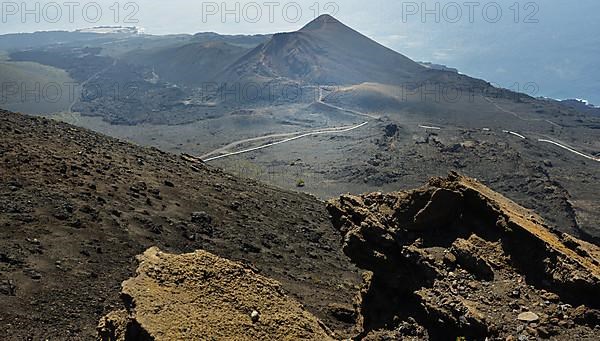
(200,296)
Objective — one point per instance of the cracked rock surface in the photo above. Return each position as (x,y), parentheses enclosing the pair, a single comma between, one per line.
(200,296)
(455,259)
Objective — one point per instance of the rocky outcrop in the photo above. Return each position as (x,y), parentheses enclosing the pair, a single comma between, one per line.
(77,207)
(200,296)
(455,259)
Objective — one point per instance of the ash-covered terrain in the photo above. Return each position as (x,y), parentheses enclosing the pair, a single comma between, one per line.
(77,207)
(324,110)
(450,259)
(216,187)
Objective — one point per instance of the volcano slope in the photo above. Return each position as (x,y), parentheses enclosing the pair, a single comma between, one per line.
(76,208)
(455,259)
(452,260)
(325,51)
(448,260)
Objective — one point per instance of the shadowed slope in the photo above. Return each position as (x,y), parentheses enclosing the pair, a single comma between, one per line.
(324,52)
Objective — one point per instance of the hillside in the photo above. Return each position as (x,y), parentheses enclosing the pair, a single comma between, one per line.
(454,257)
(537,152)
(76,208)
(189,64)
(31,76)
(325,51)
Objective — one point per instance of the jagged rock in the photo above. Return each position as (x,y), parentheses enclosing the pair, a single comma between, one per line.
(199,296)
(117,326)
(468,256)
(441,209)
(451,255)
(584,315)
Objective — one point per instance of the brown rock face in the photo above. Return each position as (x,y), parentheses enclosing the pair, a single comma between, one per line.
(199,296)
(455,259)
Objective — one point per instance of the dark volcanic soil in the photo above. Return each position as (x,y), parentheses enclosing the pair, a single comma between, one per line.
(391,155)
(450,260)
(76,207)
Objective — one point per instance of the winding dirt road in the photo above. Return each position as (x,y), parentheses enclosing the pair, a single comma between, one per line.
(565,147)
(295,135)
(298,135)
(357,113)
(328,131)
(547,139)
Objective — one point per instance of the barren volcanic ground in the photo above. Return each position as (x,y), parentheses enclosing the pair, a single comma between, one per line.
(211,94)
(76,207)
(394,153)
(452,259)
